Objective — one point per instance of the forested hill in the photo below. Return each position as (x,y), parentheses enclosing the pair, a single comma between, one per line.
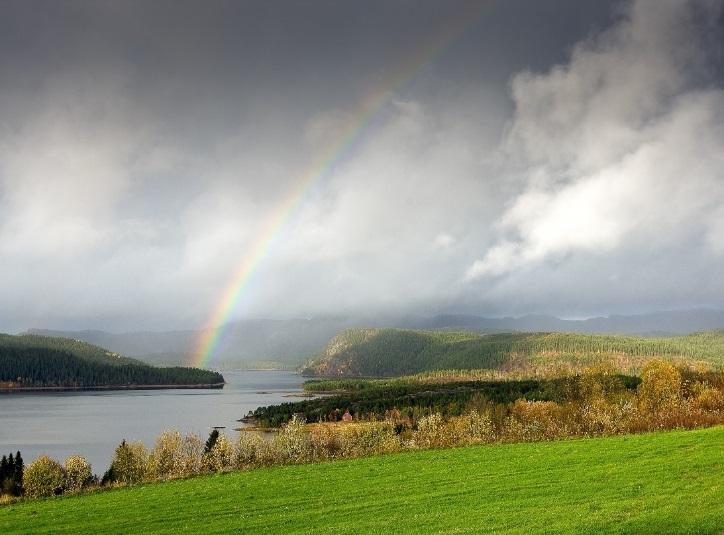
(31,361)
(393,352)
(291,341)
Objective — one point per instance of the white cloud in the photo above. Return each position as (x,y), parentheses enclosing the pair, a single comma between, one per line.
(621,146)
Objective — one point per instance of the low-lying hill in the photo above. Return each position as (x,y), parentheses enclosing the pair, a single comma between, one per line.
(394,352)
(649,483)
(249,343)
(31,361)
(288,342)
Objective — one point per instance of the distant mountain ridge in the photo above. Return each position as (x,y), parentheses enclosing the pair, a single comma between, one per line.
(677,322)
(282,341)
(292,341)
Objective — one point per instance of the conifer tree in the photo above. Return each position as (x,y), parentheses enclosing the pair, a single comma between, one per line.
(18,474)
(211,441)
(3,468)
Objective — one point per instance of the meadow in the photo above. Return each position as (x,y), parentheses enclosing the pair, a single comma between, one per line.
(660,482)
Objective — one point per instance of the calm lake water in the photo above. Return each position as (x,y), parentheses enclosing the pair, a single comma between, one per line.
(92,424)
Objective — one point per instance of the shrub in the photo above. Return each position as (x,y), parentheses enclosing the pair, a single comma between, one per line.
(708,398)
(251,450)
(368,438)
(478,427)
(600,382)
(536,420)
(454,432)
(164,459)
(190,456)
(44,477)
(598,416)
(221,456)
(326,441)
(129,464)
(331,440)
(430,431)
(660,387)
(77,473)
(292,444)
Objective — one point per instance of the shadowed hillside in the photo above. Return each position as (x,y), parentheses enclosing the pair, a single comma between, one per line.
(32,361)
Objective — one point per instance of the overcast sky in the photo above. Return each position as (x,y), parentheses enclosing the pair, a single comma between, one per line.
(562,157)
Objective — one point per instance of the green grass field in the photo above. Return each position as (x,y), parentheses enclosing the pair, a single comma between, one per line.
(670,482)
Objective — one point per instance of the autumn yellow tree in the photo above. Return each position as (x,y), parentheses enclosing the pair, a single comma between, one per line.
(660,387)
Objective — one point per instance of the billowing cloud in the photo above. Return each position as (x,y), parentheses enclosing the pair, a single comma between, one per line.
(144,154)
(621,146)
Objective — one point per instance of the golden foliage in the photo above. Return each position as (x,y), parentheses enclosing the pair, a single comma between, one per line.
(221,458)
(164,462)
(77,473)
(660,387)
(130,462)
(44,477)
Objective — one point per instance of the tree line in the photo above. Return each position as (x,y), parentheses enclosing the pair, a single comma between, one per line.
(415,400)
(11,474)
(48,367)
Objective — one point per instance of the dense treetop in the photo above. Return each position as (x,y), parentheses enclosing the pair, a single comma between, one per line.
(39,361)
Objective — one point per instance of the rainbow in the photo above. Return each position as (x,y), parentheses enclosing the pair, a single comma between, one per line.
(352,132)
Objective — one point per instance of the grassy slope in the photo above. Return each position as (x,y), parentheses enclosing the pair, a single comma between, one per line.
(653,483)
(391,352)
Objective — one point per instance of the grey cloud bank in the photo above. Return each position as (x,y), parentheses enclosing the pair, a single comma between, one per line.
(622,144)
(565,159)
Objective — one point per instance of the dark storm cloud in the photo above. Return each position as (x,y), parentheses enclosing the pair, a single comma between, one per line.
(143,145)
